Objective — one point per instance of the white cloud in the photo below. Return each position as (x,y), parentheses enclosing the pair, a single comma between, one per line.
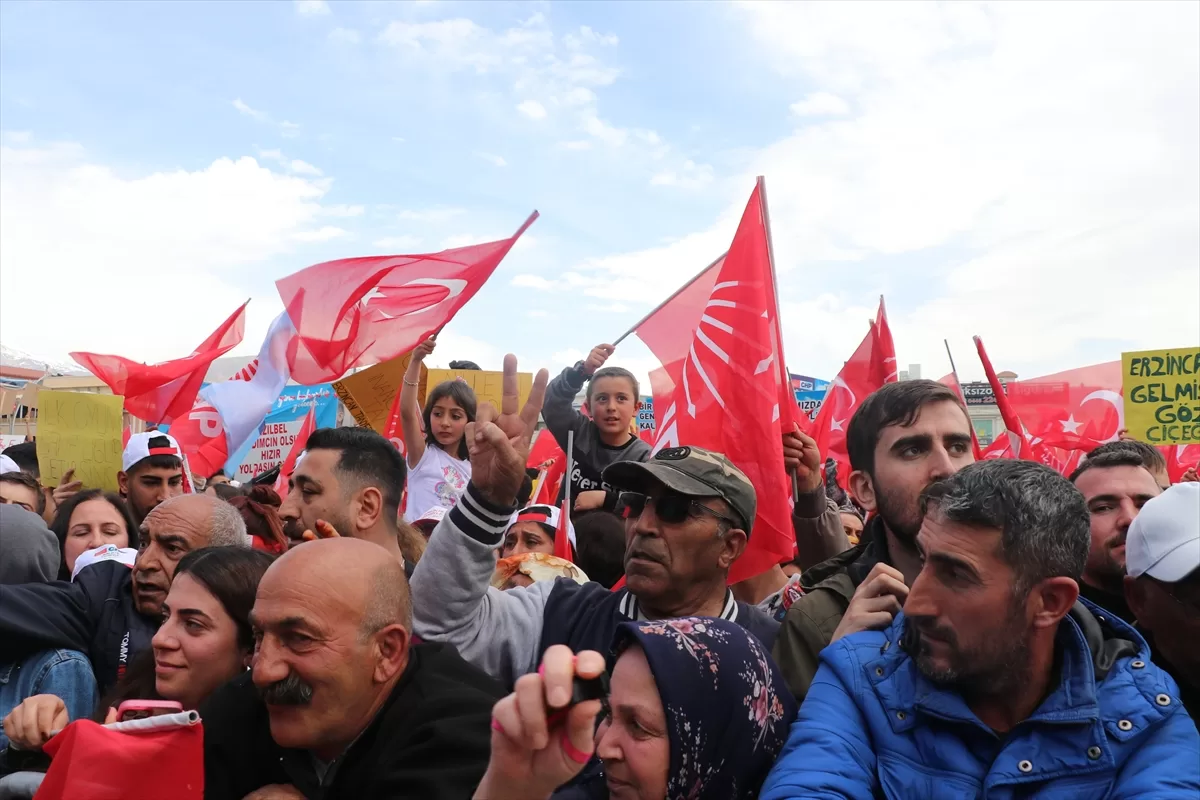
(304,168)
(689,176)
(273,155)
(598,128)
(466,239)
(345,36)
(492,158)
(821,104)
(191,235)
(532,282)
(399,244)
(289,130)
(17,137)
(435,214)
(260,116)
(322,234)
(569,356)
(532,109)
(343,210)
(311,8)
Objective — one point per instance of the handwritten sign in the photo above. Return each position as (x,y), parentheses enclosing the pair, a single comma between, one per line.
(488,386)
(368,395)
(79,431)
(281,427)
(1162,395)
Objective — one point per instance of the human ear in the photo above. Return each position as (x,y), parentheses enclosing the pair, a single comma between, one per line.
(391,648)
(733,544)
(370,507)
(1054,598)
(862,488)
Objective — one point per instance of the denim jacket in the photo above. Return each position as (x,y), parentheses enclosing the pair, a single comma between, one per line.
(65,673)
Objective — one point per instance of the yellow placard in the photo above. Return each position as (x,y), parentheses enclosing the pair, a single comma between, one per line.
(79,431)
(1162,395)
(368,395)
(487,385)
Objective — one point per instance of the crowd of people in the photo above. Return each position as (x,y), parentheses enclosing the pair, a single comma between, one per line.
(398,625)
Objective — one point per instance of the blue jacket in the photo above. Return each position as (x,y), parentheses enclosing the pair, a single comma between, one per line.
(873,726)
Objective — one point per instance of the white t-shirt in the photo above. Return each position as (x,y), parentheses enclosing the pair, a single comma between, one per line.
(437,480)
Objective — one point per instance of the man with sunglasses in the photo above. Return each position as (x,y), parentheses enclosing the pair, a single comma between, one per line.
(694,512)
(1163,585)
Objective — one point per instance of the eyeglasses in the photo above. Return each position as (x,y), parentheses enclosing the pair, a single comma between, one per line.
(670,507)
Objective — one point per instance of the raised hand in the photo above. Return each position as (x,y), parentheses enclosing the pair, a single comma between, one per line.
(66,487)
(801,456)
(595,360)
(324,531)
(31,724)
(498,443)
(875,603)
(424,349)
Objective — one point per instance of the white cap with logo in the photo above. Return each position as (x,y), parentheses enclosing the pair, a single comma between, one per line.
(139,448)
(1164,538)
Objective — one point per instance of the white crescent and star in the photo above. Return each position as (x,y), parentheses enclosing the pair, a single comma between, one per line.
(1114,399)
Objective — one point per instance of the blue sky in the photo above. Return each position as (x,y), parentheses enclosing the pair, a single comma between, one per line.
(1025,172)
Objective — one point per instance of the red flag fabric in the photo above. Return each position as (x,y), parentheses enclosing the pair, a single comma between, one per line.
(93,761)
(544,450)
(298,444)
(359,311)
(159,393)
(1180,458)
(871,366)
(1020,442)
(562,534)
(951,380)
(1078,409)
(726,392)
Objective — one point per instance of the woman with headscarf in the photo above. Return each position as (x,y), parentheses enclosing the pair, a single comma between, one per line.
(697,711)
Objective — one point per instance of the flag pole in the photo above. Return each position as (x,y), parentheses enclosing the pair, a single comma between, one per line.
(954,371)
(784,378)
(674,294)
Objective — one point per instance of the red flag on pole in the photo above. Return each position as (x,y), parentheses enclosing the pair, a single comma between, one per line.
(360,311)
(721,350)
(871,366)
(562,536)
(1078,409)
(1019,439)
(159,393)
(298,444)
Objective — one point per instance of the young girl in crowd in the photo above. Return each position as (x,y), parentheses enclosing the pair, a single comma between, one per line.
(90,519)
(205,641)
(602,437)
(697,709)
(437,454)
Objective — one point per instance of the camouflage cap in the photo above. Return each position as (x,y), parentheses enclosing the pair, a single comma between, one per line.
(690,471)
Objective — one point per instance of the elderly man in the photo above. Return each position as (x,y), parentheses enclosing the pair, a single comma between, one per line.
(994,680)
(109,611)
(341,703)
(694,511)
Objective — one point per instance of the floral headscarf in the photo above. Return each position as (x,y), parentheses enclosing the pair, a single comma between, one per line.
(728,708)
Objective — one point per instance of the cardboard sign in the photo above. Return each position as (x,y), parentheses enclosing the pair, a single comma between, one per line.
(80,431)
(1162,395)
(488,386)
(368,395)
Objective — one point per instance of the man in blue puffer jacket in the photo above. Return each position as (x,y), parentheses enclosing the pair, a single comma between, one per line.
(995,682)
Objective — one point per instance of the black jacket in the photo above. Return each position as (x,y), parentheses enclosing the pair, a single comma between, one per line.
(93,614)
(431,740)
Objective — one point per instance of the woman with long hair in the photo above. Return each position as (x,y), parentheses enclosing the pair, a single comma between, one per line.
(89,519)
(435,439)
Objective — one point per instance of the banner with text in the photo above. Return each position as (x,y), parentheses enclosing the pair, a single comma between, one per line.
(80,431)
(645,414)
(279,429)
(1162,395)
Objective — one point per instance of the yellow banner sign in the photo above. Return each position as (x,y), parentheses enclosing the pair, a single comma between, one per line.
(1162,395)
(487,385)
(79,431)
(368,395)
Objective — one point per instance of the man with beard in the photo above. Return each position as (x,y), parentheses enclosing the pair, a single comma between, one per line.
(350,479)
(902,438)
(1116,482)
(340,702)
(994,680)
(109,611)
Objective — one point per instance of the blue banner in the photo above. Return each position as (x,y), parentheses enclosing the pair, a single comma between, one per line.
(279,429)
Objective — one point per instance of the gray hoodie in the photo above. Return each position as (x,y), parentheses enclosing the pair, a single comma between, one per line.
(29,551)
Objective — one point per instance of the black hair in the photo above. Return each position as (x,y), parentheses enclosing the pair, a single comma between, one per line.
(1043,520)
(1152,457)
(29,482)
(465,365)
(156,462)
(61,525)
(24,454)
(600,546)
(231,575)
(218,474)
(463,396)
(893,404)
(525,491)
(1112,457)
(367,458)
(613,372)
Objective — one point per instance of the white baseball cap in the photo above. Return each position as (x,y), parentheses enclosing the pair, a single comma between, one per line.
(1164,538)
(139,448)
(546,516)
(7,465)
(433,515)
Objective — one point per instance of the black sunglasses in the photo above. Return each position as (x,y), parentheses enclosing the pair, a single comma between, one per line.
(670,507)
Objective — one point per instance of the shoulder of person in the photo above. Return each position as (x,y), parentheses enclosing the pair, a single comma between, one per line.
(438,667)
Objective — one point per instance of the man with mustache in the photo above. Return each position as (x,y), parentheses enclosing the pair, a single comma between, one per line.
(1116,482)
(108,610)
(903,437)
(693,511)
(994,680)
(340,702)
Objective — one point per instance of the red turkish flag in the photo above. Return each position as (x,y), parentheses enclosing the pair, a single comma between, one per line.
(159,393)
(1078,409)
(872,365)
(298,445)
(1180,458)
(562,534)
(726,379)
(360,311)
